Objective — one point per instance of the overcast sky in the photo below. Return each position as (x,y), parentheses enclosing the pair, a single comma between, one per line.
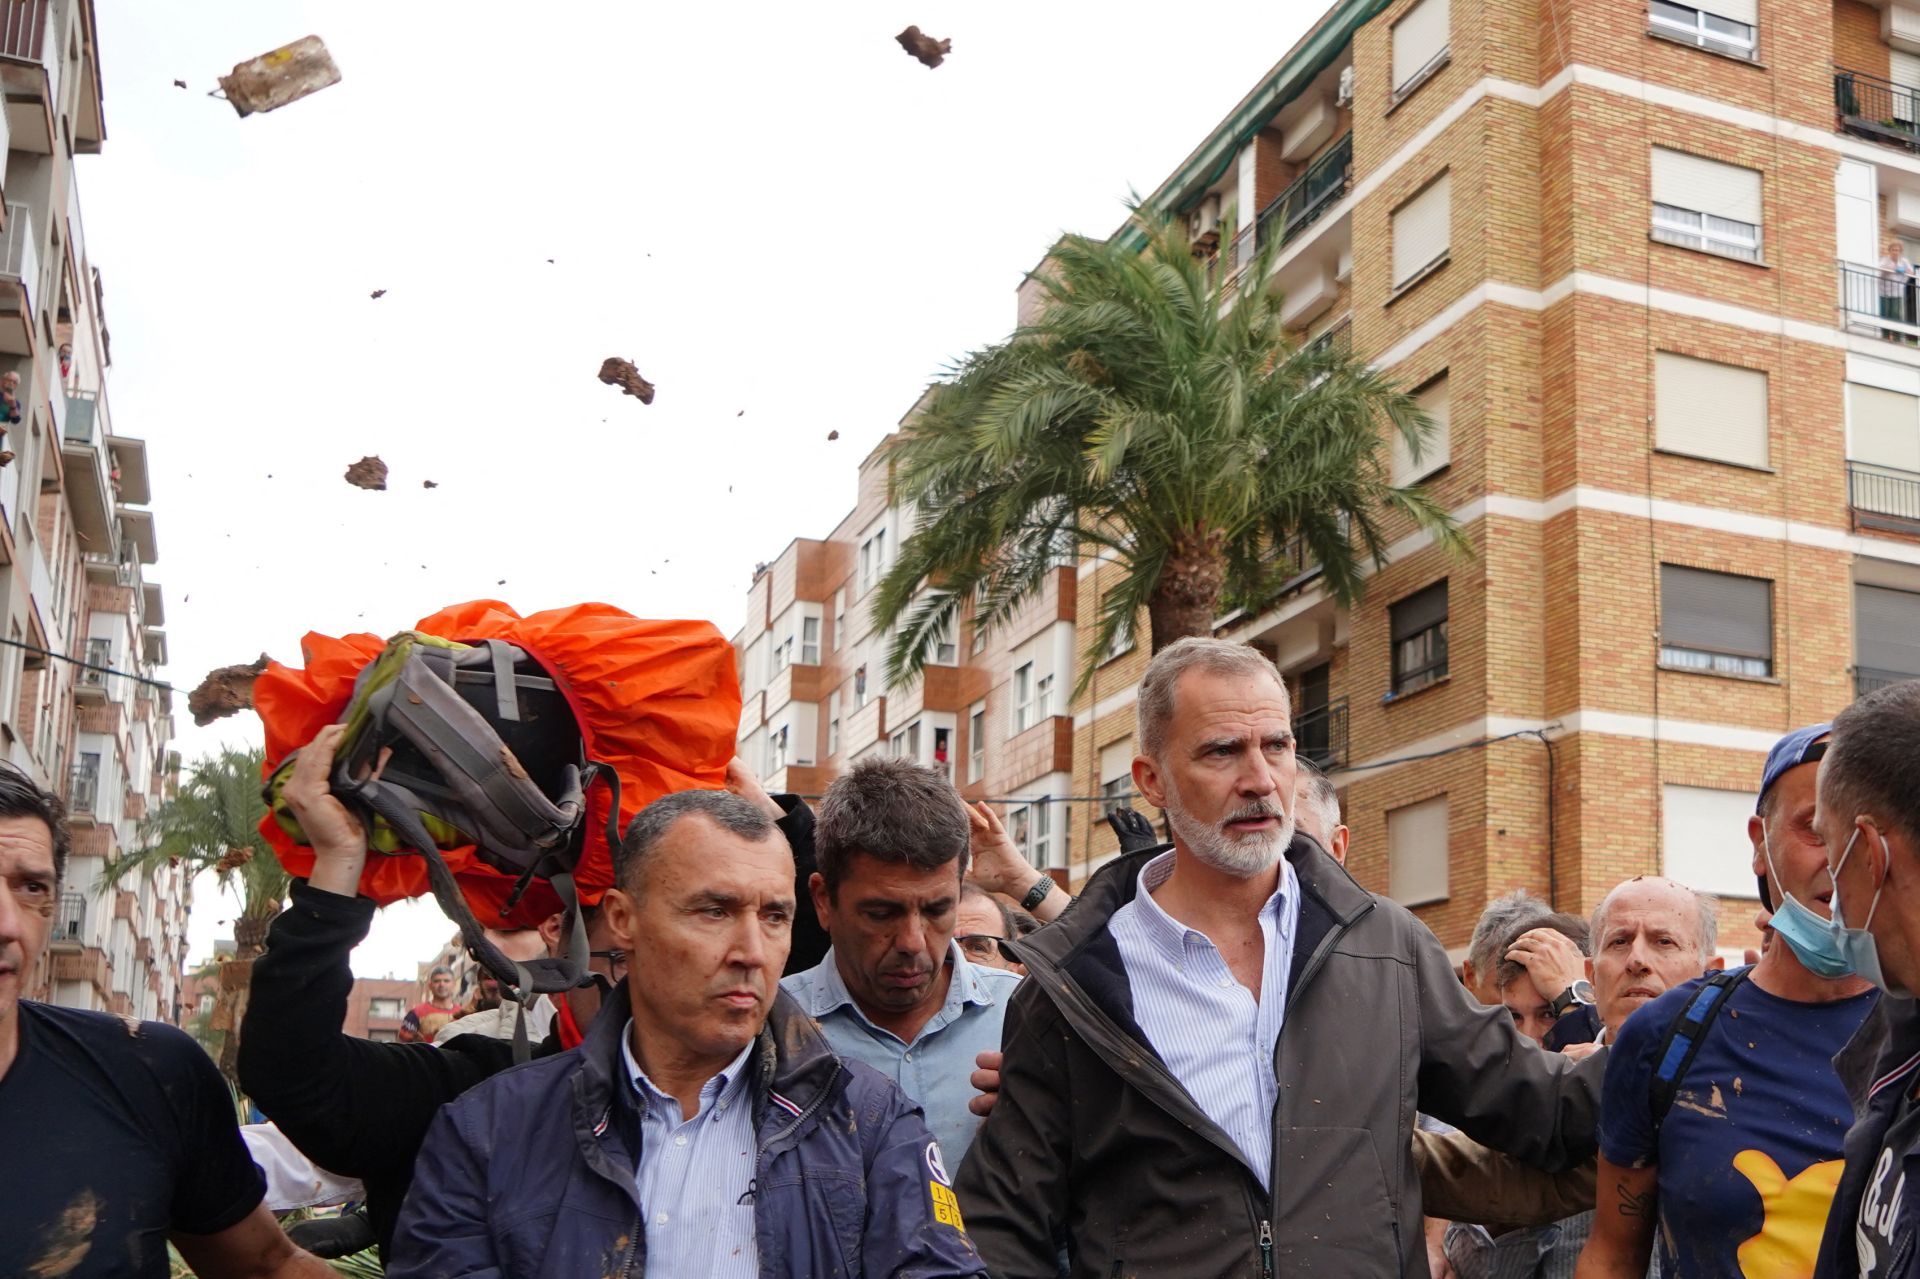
(786,222)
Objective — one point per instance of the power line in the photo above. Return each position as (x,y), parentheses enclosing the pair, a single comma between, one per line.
(86,665)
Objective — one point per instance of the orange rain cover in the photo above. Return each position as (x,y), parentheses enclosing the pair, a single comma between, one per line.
(658,701)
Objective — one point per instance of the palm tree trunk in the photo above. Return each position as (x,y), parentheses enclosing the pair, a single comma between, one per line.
(1187,597)
(236,978)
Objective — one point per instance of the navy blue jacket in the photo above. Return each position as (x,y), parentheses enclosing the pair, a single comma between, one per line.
(1878,1067)
(532,1172)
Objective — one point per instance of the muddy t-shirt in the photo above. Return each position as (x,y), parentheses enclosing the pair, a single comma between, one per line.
(117,1133)
(1749,1153)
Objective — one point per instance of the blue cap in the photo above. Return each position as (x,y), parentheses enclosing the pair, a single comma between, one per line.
(1791,751)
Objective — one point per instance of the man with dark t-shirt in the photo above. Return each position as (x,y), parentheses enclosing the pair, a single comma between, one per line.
(119,1134)
(1738,1176)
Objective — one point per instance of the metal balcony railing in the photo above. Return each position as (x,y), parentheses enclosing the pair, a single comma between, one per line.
(1307,196)
(1883,497)
(82,415)
(70,917)
(20,253)
(23,26)
(1320,735)
(1867,679)
(83,788)
(1874,303)
(1871,107)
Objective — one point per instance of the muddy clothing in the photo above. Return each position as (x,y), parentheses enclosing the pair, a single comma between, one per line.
(121,1133)
(1749,1152)
(1093,1138)
(1873,1231)
(362,1108)
(425,1020)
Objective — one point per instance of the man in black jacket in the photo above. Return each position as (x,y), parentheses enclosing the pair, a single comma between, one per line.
(361,1108)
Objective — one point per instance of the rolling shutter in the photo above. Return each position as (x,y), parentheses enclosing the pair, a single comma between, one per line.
(1706,186)
(1435,452)
(1710,410)
(1716,612)
(1422,229)
(1703,838)
(1417,852)
(1883,427)
(1742,11)
(1418,38)
(1419,611)
(1886,630)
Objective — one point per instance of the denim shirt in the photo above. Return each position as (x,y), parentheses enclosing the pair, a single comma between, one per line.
(933,1070)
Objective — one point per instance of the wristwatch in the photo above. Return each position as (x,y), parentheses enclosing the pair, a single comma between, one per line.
(1581,992)
(1037,894)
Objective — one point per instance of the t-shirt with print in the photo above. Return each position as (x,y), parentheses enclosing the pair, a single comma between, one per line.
(120,1132)
(425,1020)
(1750,1151)
(1885,1231)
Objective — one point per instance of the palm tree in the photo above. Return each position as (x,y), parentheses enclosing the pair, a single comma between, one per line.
(1157,411)
(213,823)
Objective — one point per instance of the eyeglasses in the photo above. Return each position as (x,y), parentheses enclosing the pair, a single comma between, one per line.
(616,961)
(980,945)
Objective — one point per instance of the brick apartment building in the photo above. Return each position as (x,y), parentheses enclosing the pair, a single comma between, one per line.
(376,1006)
(1627,257)
(75,540)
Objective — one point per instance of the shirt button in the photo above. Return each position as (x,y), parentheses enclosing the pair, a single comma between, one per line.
(679,1141)
(909,1056)
(1225,982)
(659,1218)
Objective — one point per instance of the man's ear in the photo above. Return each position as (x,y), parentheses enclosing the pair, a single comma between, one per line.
(1469,978)
(1756,835)
(622,914)
(1147,780)
(817,889)
(1589,968)
(1715,964)
(550,929)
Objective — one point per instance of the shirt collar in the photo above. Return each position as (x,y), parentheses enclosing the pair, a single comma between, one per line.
(722,1087)
(827,990)
(1169,934)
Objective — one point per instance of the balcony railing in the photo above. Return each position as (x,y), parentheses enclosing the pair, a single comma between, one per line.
(70,918)
(1294,209)
(1320,735)
(23,26)
(20,254)
(83,788)
(1867,679)
(1883,497)
(82,413)
(1876,304)
(1871,107)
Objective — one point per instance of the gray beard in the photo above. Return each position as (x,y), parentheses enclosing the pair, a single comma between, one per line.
(1242,857)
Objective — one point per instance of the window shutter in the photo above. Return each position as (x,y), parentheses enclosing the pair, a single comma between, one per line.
(1422,228)
(1744,11)
(1716,612)
(1706,186)
(1903,69)
(1418,38)
(1116,761)
(1435,452)
(1883,427)
(1703,838)
(1417,852)
(1710,410)
(1886,629)
(1419,611)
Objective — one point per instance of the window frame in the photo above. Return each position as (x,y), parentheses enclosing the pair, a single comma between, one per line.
(1726,663)
(976,742)
(1746,49)
(809,648)
(1023,680)
(1667,228)
(1409,679)
(833,723)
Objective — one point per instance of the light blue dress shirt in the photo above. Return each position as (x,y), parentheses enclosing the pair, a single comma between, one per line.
(1209,1030)
(933,1070)
(694,1175)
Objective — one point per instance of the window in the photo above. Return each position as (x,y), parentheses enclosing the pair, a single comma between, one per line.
(1023,716)
(1116,775)
(977,742)
(1715,622)
(905,743)
(1417,852)
(833,723)
(1724,26)
(777,749)
(839,618)
(1883,428)
(1436,451)
(388,1009)
(1422,230)
(873,559)
(1707,205)
(943,751)
(777,660)
(1886,636)
(1419,46)
(1715,411)
(810,641)
(860,685)
(1703,839)
(1031,826)
(1043,698)
(1419,633)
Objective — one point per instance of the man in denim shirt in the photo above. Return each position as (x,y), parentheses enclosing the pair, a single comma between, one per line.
(895,991)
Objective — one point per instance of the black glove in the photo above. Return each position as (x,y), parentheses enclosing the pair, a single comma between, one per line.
(329,1237)
(1135,831)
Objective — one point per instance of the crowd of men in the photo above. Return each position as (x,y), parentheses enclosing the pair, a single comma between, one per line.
(868,1039)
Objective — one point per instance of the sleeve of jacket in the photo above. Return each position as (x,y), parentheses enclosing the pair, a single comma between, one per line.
(443,1231)
(914,1229)
(1461,1180)
(1013,1185)
(1478,1073)
(351,1105)
(810,940)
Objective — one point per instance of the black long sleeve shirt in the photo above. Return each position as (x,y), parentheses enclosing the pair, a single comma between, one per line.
(361,1108)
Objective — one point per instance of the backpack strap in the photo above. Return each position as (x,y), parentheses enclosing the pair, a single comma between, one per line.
(1684,1036)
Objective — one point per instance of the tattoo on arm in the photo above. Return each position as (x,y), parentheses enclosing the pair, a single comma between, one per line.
(1632,1205)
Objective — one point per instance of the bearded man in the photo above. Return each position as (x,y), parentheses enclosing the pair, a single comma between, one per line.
(1215,1067)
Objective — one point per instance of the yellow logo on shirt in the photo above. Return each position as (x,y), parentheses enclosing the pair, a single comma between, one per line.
(1793,1215)
(946,1207)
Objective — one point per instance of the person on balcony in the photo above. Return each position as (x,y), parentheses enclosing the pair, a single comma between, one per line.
(1896,288)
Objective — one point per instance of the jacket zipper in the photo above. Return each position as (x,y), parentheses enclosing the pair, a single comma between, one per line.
(1266,1248)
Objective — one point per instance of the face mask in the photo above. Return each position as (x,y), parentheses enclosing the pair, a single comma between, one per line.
(1813,940)
(1857,943)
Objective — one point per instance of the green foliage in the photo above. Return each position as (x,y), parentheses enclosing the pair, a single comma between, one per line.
(1157,412)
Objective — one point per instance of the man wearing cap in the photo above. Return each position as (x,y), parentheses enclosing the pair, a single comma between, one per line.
(1736,1172)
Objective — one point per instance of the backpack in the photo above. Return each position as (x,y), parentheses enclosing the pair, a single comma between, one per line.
(1681,1044)
(520,747)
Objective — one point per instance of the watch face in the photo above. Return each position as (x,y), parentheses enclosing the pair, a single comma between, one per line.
(1583,992)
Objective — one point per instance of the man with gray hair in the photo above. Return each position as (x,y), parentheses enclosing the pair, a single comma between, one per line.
(1153,1115)
(1316,810)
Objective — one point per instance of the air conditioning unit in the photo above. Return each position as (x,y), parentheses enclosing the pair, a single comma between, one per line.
(1344,98)
(1203,224)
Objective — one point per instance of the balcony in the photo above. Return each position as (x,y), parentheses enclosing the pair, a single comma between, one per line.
(1320,734)
(69,920)
(1883,498)
(19,277)
(1298,207)
(1872,305)
(1867,679)
(30,72)
(90,682)
(90,484)
(130,457)
(1876,109)
(83,789)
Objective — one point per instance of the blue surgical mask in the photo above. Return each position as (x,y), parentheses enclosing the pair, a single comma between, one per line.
(1813,940)
(1857,943)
